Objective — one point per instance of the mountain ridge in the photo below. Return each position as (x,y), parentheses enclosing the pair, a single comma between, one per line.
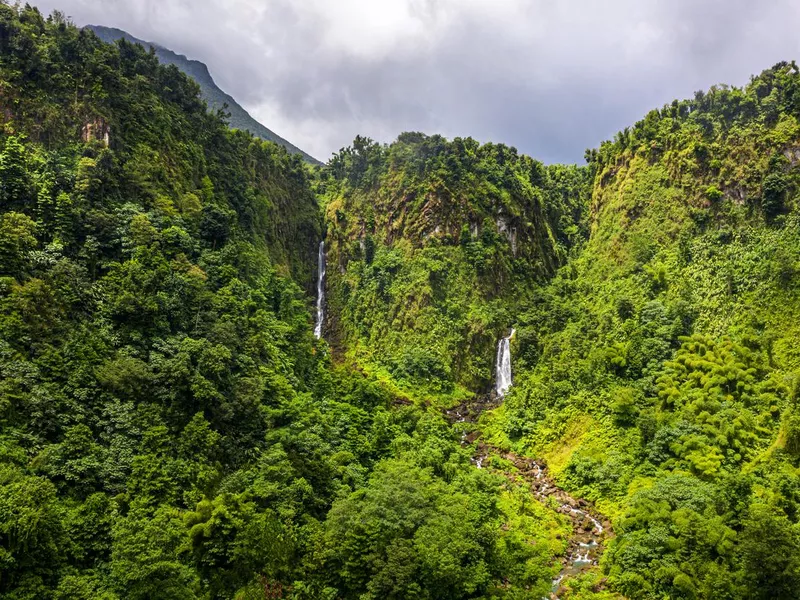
(215,97)
(171,427)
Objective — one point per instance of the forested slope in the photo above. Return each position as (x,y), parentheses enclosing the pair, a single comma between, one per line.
(434,246)
(238,117)
(656,372)
(664,376)
(169,427)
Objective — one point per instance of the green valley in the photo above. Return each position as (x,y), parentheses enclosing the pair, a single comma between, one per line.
(522,381)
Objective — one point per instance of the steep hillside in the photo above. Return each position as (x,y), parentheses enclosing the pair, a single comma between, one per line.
(169,427)
(663,380)
(215,97)
(656,373)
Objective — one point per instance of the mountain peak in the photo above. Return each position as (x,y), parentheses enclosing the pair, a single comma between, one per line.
(212,94)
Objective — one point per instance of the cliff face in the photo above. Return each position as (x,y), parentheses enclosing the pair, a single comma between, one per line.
(432,247)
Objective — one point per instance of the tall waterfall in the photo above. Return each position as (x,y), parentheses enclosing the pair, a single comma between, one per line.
(504,365)
(320,291)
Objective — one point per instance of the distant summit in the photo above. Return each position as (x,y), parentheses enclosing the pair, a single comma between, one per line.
(215,97)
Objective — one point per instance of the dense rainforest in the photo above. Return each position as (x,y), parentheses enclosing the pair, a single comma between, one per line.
(170,426)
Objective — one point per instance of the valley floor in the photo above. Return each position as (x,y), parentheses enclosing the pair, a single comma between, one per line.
(591,530)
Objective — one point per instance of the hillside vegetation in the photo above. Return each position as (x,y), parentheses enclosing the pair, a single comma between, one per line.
(665,371)
(170,427)
(656,372)
(434,247)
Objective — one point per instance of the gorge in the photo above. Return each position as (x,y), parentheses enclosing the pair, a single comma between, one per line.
(226,372)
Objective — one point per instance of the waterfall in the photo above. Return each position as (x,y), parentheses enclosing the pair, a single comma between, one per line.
(504,365)
(320,291)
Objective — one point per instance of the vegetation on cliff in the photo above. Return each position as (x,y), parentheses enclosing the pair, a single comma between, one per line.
(235,115)
(663,379)
(434,246)
(170,428)
(656,372)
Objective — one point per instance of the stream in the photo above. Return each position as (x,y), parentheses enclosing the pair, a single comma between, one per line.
(589,528)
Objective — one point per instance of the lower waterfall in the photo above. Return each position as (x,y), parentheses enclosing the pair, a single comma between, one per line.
(504,365)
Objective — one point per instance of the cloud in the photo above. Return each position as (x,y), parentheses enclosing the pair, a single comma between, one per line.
(551,78)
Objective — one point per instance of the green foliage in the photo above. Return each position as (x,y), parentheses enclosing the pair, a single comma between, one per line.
(770,549)
(773,189)
(171,429)
(407,535)
(150,333)
(662,385)
(713,193)
(217,100)
(438,243)
(17,238)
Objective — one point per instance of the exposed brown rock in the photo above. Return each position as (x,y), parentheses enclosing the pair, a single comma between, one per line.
(96,129)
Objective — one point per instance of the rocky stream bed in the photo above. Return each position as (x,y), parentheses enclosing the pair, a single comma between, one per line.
(590,529)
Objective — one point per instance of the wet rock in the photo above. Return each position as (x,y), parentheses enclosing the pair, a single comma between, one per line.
(96,129)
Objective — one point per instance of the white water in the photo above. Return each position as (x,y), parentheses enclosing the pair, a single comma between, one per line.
(581,558)
(504,365)
(598,528)
(320,291)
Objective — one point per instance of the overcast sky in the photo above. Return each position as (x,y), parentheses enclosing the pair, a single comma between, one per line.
(549,77)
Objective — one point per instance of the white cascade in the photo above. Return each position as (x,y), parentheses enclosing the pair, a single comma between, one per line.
(504,365)
(320,291)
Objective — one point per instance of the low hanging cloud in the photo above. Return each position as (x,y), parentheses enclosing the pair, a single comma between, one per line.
(551,78)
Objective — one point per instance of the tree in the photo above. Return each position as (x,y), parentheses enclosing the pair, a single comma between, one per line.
(145,556)
(31,534)
(406,535)
(769,548)
(17,238)
(16,188)
(773,193)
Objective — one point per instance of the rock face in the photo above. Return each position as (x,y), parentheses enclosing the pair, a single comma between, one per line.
(792,154)
(96,129)
(505,227)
